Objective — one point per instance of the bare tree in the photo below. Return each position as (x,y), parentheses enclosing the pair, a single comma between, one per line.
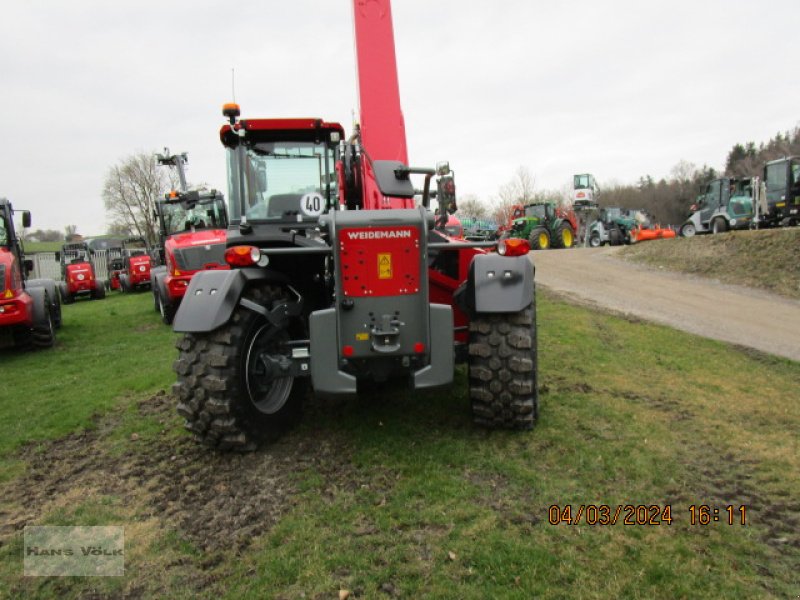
(520,189)
(470,206)
(130,191)
(70,231)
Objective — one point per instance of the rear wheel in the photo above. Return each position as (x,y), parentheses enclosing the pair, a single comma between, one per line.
(565,236)
(539,239)
(503,369)
(230,391)
(99,290)
(615,237)
(719,225)
(43,334)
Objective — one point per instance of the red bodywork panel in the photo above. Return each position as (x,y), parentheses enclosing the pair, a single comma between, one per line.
(140,270)
(380,261)
(80,277)
(178,280)
(18,308)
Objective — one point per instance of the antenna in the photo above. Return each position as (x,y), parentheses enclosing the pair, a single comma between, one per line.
(233,83)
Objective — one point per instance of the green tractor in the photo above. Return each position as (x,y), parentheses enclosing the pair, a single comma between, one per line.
(544,225)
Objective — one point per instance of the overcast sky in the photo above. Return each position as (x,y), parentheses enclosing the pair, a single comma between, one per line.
(616,88)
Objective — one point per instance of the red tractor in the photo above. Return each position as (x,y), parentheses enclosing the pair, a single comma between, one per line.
(192,232)
(136,265)
(30,309)
(342,280)
(78,273)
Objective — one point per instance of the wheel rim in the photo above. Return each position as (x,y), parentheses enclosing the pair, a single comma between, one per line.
(688,230)
(594,241)
(162,308)
(267,395)
(543,241)
(567,238)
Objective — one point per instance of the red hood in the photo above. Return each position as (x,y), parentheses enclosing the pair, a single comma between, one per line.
(198,238)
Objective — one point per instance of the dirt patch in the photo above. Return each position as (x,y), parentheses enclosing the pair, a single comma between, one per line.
(723,479)
(216,501)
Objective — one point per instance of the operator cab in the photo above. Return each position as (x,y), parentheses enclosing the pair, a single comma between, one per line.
(281,170)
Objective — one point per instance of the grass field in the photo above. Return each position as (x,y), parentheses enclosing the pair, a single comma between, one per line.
(398,495)
(766,259)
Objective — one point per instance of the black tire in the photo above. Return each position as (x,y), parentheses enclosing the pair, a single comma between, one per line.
(56,310)
(62,290)
(594,240)
(539,239)
(614,237)
(217,379)
(503,369)
(43,334)
(167,310)
(155,299)
(719,225)
(69,298)
(99,292)
(124,285)
(688,230)
(564,236)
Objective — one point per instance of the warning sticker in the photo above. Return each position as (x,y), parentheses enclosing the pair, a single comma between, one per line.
(384,265)
(362,337)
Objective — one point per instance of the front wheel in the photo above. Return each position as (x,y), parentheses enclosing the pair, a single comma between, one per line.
(167,309)
(231,388)
(503,369)
(595,241)
(539,239)
(688,230)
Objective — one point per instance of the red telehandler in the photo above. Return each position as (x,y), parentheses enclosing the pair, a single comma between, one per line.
(341,279)
(191,227)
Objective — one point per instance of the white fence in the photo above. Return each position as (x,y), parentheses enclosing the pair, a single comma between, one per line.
(46,266)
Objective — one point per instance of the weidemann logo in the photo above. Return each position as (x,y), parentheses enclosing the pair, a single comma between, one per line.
(378,235)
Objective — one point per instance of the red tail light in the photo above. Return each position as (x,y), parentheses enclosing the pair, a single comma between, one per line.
(242,256)
(513,247)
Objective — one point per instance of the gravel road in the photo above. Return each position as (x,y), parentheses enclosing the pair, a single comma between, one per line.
(735,314)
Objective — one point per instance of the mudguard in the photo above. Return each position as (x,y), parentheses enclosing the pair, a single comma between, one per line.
(212,297)
(496,284)
(53,292)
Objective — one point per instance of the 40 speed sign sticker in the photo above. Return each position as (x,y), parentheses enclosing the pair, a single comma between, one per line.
(312,205)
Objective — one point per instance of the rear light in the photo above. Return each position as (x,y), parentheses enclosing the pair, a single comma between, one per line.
(581,195)
(242,256)
(347,351)
(513,247)
(419,348)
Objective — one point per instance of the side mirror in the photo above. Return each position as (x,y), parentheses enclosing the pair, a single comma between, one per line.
(26,219)
(28,264)
(58,256)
